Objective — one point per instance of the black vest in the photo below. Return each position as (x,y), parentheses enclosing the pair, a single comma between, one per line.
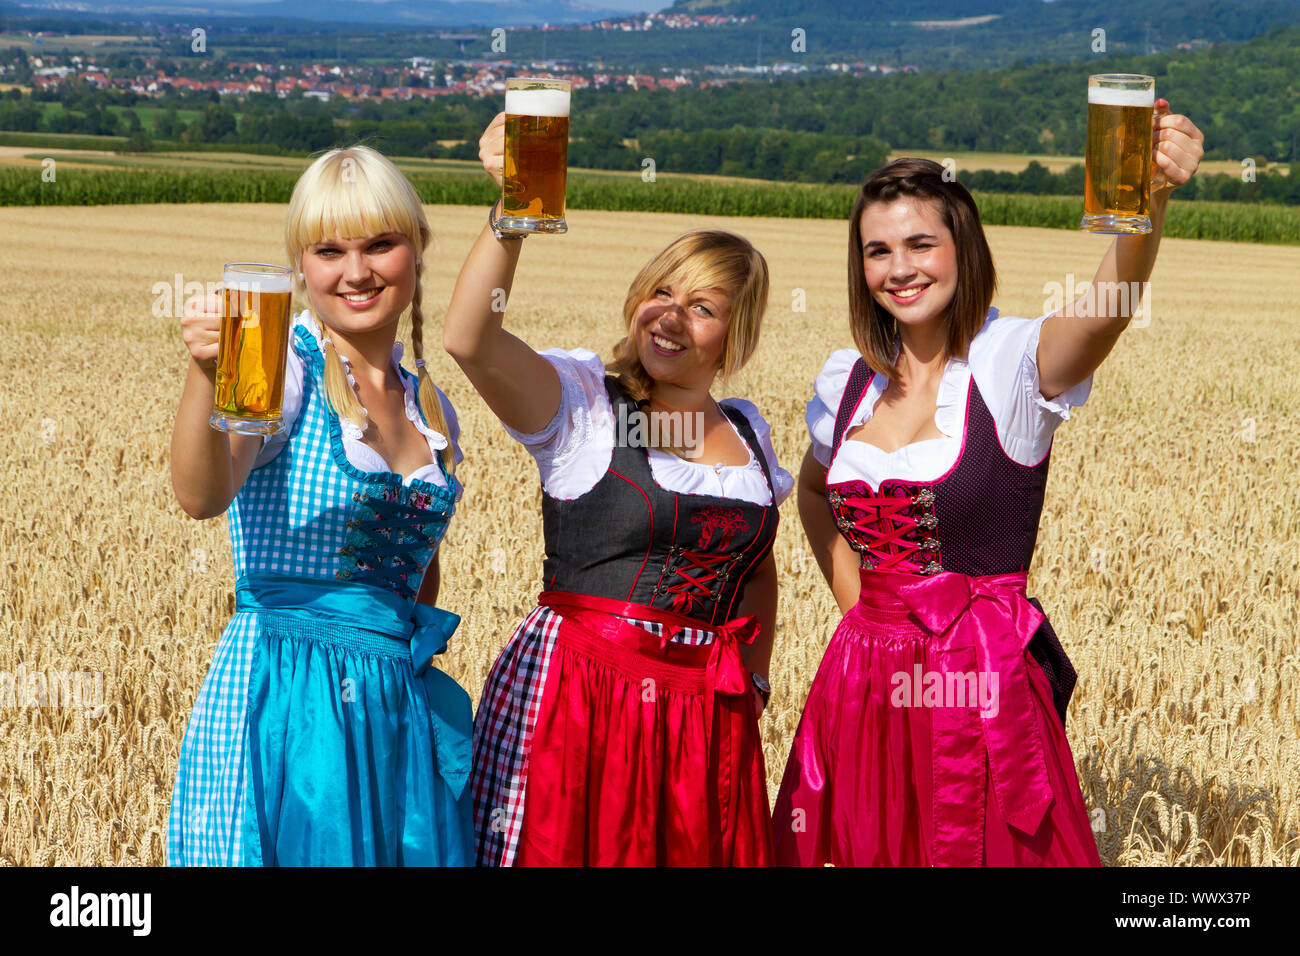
(628,539)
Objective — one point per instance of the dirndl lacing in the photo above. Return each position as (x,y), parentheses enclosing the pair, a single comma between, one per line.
(321,734)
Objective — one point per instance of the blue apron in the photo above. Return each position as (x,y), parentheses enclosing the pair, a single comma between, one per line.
(322,735)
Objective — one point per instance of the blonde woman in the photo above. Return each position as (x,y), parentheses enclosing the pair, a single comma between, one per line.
(322,735)
(620,723)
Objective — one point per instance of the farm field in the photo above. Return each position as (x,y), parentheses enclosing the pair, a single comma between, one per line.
(1016,162)
(84,43)
(30,156)
(1166,557)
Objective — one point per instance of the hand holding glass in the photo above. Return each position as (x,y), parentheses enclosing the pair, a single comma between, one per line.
(253,348)
(536,157)
(1117,172)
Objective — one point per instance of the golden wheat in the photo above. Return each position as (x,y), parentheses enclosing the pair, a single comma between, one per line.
(1166,558)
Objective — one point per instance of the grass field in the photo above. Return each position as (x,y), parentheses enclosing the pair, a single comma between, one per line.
(82,43)
(964,162)
(1016,162)
(100,159)
(1166,556)
(148,114)
(93,179)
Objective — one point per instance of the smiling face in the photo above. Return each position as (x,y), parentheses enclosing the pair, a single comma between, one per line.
(909,259)
(681,335)
(360,285)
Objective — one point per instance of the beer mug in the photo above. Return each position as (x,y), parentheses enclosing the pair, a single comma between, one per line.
(253,348)
(1117,170)
(537,156)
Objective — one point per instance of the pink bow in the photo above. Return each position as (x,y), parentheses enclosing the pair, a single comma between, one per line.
(990,616)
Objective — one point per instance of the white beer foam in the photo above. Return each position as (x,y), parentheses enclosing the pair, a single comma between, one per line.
(537,102)
(257,281)
(1106,96)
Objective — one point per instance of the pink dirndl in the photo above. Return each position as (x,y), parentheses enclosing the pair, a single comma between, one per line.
(932,734)
(891,766)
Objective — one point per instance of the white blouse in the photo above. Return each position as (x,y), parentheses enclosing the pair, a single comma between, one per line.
(573,452)
(1003,361)
(358,453)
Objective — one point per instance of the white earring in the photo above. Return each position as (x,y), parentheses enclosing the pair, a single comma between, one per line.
(300,276)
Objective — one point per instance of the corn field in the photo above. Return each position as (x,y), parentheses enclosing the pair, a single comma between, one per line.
(1166,559)
(73,186)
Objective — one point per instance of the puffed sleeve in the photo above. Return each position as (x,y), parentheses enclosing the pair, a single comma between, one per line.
(290,409)
(828,389)
(1005,366)
(582,401)
(782,480)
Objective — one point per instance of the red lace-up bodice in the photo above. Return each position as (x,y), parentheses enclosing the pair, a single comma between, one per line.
(894,529)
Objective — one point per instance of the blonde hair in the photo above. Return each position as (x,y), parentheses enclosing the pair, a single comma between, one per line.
(700,259)
(357,191)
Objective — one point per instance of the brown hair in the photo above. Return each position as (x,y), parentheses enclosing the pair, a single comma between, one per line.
(700,259)
(874,328)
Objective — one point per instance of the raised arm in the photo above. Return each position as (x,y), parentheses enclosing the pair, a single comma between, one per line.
(208,466)
(1075,340)
(520,386)
(838,562)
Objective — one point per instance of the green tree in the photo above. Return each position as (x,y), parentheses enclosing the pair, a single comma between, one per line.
(216,124)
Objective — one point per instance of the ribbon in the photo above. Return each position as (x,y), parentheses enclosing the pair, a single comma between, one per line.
(725,672)
(449,707)
(990,616)
(433,628)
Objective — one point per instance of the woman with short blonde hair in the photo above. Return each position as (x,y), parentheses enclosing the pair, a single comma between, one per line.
(620,723)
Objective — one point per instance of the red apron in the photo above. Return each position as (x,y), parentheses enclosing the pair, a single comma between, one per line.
(646,750)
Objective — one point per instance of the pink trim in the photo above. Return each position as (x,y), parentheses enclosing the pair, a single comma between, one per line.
(650,508)
(835,452)
(998,438)
(961,452)
(1046,455)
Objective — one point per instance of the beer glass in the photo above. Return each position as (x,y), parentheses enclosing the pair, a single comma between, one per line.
(537,156)
(253,348)
(1117,171)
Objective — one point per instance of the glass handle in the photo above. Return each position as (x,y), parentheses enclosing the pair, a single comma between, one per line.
(1159,181)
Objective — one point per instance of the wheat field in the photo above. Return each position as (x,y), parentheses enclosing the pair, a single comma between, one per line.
(1167,557)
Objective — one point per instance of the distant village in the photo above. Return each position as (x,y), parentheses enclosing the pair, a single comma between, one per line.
(417,77)
(421,79)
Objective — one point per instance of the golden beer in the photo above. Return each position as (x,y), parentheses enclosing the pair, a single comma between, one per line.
(1117,169)
(253,349)
(536,156)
